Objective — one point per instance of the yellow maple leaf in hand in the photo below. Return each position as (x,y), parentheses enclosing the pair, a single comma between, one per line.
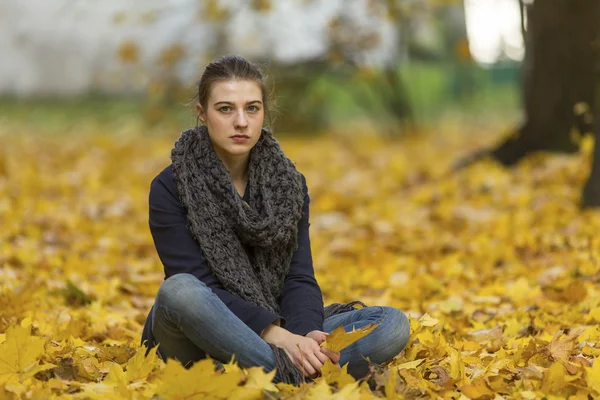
(19,355)
(339,339)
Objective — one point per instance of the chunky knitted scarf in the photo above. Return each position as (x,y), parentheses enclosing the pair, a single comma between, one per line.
(249,246)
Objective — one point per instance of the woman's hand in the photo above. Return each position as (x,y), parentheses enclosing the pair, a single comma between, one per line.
(304,351)
(319,337)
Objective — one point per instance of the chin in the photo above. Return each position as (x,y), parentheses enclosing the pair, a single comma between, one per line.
(239,151)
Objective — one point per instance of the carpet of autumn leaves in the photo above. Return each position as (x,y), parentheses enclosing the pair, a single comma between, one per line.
(497,268)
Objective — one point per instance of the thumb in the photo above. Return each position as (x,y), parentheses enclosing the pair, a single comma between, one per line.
(324,336)
(319,337)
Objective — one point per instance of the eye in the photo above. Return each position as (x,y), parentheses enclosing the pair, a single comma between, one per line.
(253,108)
(225,109)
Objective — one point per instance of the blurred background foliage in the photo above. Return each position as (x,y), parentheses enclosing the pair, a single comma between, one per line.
(386,66)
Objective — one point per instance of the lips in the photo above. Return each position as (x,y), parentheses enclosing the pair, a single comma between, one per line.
(241,136)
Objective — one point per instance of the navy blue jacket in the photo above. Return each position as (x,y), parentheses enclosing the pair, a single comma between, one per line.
(301,302)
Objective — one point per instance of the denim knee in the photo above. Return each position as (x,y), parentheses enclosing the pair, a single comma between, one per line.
(391,336)
(181,291)
(397,332)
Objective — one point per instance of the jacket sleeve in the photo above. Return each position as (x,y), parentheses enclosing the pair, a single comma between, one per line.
(180,253)
(301,299)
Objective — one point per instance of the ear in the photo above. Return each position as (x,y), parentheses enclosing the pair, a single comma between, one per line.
(201,113)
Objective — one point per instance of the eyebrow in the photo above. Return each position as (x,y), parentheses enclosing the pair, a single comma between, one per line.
(230,103)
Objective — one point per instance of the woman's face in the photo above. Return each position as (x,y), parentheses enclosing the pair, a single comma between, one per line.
(234,116)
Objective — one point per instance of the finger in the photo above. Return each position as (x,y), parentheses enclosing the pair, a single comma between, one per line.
(321,338)
(308,369)
(298,361)
(317,336)
(325,334)
(321,356)
(333,356)
(314,361)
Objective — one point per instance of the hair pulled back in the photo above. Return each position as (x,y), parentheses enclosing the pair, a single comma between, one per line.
(228,68)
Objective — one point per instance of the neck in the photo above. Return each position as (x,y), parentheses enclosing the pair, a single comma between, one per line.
(236,165)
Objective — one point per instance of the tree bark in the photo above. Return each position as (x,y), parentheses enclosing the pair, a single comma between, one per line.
(590,196)
(559,71)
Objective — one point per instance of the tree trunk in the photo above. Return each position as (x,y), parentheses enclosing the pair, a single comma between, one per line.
(558,72)
(590,196)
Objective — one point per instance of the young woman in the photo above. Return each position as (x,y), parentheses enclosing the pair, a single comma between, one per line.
(230,221)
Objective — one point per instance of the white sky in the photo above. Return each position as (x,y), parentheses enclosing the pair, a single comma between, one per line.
(494,26)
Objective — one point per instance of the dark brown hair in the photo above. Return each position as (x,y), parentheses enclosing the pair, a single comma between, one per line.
(233,67)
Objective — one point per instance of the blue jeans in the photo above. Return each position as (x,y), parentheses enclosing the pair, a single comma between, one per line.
(190,321)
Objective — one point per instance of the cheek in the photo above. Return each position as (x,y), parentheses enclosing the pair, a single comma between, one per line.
(217,119)
(259,118)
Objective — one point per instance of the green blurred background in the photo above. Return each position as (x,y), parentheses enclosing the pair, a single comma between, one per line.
(390,67)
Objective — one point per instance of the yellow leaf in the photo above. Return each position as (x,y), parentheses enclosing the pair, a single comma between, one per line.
(257,378)
(128,52)
(117,379)
(554,378)
(411,378)
(595,314)
(528,395)
(34,369)
(172,55)
(592,375)
(478,389)
(214,11)
(428,339)
(197,382)
(348,392)
(390,386)
(114,385)
(139,366)
(428,320)
(232,366)
(19,354)
(410,364)
(262,5)
(286,389)
(454,303)
(339,339)
(332,373)
(319,391)
(457,367)
(561,347)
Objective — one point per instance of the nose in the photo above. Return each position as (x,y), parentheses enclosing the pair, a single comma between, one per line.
(240,120)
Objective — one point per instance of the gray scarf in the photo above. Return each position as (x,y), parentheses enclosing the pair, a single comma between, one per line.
(249,246)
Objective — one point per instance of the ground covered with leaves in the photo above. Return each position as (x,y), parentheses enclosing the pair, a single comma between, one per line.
(497,269)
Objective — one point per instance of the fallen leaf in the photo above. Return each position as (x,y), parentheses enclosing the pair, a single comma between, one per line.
(478,389)
(20,354)
(560,348)
(410,364)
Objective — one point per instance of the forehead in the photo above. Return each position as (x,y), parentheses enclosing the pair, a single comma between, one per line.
(235,91)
